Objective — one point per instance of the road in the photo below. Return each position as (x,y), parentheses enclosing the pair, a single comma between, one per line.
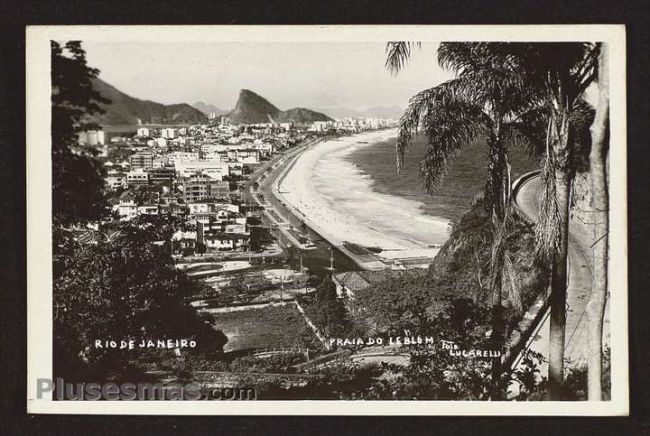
(579,286)
(279,214)
(270,171)
(286,212)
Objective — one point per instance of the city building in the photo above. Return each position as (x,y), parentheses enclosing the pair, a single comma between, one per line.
(161,175)
(142,159)
(223,233)
(347,283)
(92,137)
(182,156)
(115,181)
(168,133)
(160,161)
(213,169)
(125,206)
(144,132)
(137,177)
(201,187)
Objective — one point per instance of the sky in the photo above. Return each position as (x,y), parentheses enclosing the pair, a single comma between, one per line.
(348,75)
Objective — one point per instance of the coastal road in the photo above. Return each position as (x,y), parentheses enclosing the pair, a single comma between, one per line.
(280,212)
(317,259)
(579,277)
(273,214)
(365,261)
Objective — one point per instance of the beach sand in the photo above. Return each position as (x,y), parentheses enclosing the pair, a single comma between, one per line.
(337,200)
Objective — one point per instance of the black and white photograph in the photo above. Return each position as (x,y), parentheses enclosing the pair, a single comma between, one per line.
(327,220)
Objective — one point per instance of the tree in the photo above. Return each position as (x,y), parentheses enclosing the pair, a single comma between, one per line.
(77,185)
(600,206)
(484,100)
(559,73)
(330,314)
(393,305)
(121,289)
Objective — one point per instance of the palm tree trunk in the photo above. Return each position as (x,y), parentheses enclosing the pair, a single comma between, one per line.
(498,191)
(497,341)
(559,265)
(600,205)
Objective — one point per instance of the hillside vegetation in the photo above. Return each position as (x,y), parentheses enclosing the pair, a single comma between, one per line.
(459,271)
(125,109)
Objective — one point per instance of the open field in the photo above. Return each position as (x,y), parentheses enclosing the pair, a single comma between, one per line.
(271,326)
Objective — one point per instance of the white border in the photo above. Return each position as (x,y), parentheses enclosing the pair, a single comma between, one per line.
(39,212)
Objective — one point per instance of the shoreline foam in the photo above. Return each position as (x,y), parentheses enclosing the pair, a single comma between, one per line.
(337,200)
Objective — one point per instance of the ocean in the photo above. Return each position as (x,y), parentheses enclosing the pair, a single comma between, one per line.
(464,180)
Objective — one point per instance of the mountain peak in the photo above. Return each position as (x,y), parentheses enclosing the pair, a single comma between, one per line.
(252,108)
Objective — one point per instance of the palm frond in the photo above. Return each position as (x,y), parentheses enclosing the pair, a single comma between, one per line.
(397,54)
(528,130)
(448,119)
(503,273)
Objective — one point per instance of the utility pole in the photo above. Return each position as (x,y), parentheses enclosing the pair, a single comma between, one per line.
(261,269)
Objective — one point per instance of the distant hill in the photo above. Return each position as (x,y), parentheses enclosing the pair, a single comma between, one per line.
(252,108)
(207,108)
(125,109)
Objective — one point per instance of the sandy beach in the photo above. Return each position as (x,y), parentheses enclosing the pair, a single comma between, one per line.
(337,200)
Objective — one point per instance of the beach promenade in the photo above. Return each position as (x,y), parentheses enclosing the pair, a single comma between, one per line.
(327,191)
(284,213)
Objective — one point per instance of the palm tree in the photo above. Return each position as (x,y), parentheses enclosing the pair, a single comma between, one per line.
(600,205)
(485,99)
(559,74)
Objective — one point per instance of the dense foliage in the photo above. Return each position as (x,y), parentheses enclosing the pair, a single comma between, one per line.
(460,270)
(77,185)
(124,289)
(329,313)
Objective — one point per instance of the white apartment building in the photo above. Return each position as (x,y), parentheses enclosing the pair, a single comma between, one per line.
(217,156)
(160,161)
(169,133)
(222,210)
(115,181)
(92,137)
(178,156)
(213,169)
(144,131)
(126,208)
(137,176)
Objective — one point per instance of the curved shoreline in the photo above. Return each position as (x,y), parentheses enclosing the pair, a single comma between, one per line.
(337,201)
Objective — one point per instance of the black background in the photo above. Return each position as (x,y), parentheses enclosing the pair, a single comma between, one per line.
(13,18)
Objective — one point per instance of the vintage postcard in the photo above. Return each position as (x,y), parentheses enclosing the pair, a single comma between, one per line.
(340,220)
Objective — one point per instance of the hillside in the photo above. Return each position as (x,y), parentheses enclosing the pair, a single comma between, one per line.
(252,108)
(459,271)
(301,115)
(208,108)
(125,109)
